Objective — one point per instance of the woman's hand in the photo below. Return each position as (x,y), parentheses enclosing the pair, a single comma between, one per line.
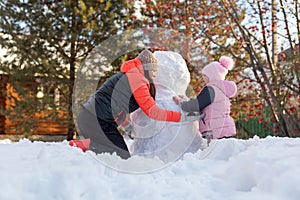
(180,98)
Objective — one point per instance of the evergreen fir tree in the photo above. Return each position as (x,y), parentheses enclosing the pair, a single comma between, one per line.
(47,40)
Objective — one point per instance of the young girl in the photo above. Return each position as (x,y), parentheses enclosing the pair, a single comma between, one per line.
(214,101)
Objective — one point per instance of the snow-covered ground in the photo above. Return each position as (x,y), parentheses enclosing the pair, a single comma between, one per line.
(232,169)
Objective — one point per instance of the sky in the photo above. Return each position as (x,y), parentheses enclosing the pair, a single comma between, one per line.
(232,169)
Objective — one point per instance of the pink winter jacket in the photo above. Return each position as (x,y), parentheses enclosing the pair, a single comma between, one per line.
(217,113)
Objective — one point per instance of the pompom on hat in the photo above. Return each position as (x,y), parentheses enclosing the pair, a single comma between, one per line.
(148,60)
(218,70)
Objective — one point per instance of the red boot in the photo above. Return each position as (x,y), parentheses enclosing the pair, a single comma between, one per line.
(82,144)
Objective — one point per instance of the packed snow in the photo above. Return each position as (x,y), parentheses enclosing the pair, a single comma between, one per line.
(166,140)
(228,169)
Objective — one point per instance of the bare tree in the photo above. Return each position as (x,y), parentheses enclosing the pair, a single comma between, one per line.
(252,32)
(279,82)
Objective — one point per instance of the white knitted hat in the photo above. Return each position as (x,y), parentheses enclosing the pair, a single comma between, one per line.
(148,60)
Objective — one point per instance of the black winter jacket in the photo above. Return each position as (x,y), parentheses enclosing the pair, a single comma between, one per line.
(113,100)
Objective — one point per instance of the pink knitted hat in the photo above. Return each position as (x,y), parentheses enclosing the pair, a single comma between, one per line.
(218,70)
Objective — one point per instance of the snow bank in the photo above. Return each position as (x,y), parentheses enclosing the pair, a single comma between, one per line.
(229,169)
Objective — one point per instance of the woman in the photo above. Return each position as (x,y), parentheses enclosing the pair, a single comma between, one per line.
(123,93)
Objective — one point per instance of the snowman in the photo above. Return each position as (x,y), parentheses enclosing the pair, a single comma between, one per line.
(168,141)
